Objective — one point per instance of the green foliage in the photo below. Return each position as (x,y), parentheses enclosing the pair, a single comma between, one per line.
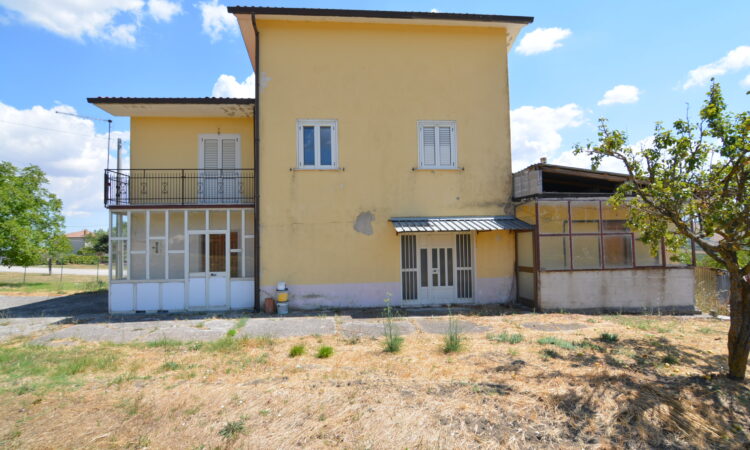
(82,259)
(549,353)
(97,242)
(297,350)
(608,337)
(324,352)
(556,341)
(506,337)
(393,339)
(31,220)
(453,340)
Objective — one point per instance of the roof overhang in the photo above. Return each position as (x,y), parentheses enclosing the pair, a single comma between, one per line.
(457,224)
(246,16)
(175,107)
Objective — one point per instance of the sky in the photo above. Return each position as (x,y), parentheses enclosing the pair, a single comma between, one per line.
(634,62)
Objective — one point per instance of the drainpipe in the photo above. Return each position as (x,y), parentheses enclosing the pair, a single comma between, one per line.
(256,164)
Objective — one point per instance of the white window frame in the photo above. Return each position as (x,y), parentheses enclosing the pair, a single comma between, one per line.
(301,123)
(454,150)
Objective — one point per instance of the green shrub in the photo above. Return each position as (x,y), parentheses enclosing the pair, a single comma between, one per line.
(505,337)
(232,332)
(453,341)
(232,430)
(549,353)
(552,340)
(297,350)
(608,337)
(325,352)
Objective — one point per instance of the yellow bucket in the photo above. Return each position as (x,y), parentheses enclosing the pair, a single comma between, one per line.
(283,297)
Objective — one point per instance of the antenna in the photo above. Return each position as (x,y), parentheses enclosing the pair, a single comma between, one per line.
(109,128)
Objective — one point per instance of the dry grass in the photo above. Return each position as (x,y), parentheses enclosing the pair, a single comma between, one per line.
(492,394)
(12,283)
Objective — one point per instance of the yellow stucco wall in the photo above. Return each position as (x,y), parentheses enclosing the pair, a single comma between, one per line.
(378,81)
(172,142)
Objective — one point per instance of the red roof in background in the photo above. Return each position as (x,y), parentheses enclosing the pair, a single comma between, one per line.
(78,234)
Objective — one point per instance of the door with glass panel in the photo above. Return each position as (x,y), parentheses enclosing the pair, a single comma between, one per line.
(438,268)
(208,269)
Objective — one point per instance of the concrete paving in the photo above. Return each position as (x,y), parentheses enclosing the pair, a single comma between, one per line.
(369,328)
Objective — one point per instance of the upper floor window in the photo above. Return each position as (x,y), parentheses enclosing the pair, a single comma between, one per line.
(317,144)
(437,144)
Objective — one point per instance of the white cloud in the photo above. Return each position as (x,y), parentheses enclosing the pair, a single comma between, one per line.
(568,158)
(217,20)
(736,59)
(111,20)
(535,131)
(542,40)
(67,148)
(163,10)
(228,86)
(746,81)
(434,10)
(622,93)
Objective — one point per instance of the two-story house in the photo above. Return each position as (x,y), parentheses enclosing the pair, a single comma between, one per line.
(374,163)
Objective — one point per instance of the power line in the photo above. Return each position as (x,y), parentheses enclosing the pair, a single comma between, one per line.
(53,129)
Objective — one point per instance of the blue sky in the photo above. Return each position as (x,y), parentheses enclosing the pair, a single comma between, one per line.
(53,57)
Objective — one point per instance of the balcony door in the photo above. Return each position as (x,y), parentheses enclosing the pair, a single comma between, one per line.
(219,159)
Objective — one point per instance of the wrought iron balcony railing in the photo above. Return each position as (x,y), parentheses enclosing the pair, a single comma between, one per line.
(178,187)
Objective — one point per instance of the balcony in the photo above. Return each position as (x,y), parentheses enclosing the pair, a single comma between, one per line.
(178,187)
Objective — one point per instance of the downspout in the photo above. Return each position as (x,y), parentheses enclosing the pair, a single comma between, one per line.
(256,164)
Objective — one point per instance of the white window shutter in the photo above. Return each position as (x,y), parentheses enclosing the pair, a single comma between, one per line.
(428,146)
(229,154)
(210,153)
(445,146)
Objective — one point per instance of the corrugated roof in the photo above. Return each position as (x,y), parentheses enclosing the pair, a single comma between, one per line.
(453,224)
(173,100)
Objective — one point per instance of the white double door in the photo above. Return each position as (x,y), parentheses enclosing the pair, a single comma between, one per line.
(208,283)
(219,159)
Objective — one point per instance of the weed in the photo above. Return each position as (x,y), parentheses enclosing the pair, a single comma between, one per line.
(514,338)
(553,340)
(297,350)
(227,344)
(265,341)
(23,389)
(241,323)
(549,353)
(393,339)
(199,325)
(608,337)
(232,430)
(164,343)
(264,412)
(170,365)
(453,341)
(131,406)
(354,340)
(324,352)
(192,411)
(644,324)
(512,352)
(669,359)
(706,330)
(231,333)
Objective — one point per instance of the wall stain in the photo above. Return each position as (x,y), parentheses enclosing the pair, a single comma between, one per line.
(363,223)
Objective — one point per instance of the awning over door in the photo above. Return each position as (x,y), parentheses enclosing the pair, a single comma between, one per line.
(454,224)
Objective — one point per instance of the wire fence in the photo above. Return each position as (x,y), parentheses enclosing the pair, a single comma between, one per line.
(712,290)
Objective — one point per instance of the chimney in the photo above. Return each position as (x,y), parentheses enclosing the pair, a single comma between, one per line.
(543,160)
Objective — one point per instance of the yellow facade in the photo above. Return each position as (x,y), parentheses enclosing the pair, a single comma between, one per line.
(378,81)
(172,142)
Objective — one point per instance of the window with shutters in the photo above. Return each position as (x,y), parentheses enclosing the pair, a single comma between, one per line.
(317,144)
(437,145)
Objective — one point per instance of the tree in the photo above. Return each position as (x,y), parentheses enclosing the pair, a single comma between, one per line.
(97,243)
(692,183)
(31,220)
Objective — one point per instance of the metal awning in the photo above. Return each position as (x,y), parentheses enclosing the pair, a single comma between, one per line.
(453,224)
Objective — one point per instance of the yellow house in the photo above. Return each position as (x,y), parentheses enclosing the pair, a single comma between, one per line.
(373,163)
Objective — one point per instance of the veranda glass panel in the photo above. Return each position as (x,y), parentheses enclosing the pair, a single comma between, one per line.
(643,256)
(586,252)
(526,285)
(249,222)
(119,260)
(217,220)
(234,264)
(618,251)
(585,217)
(553,217)
(157,261)
(249,258)
(554,253)
(138,231)
(176,266)
(525,244)
(613,220)
(197,257)
(235,229)
(196,220)
(138,266)
(177,230)
(119,224)
(217,248)
(157,224)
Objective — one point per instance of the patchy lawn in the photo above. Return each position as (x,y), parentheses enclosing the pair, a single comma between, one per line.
(12,283)
(614,381)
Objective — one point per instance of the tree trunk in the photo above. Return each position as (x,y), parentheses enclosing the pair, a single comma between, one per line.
(739,326)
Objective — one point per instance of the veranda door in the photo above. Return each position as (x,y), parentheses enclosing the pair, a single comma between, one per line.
(208,270)
(437,268)
(219,160)
(437,259)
